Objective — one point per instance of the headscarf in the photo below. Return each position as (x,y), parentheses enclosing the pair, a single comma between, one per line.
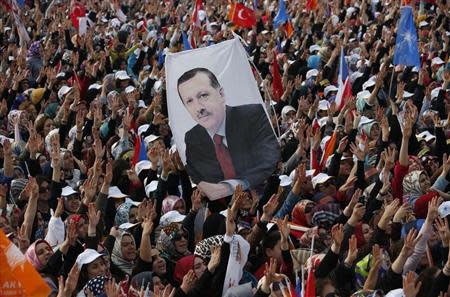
(325,215)
(169,203)
(203,248)
(17,186)
(411,187)
(117,257)
(299,214)
(182,267)
(123,213)
(96,285)
(166,244)
(32,257)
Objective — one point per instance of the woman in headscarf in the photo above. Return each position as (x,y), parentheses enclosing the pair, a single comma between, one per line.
(173,202)
(124,254)
(173,245)
(126,213)
(93,270)
(415,184)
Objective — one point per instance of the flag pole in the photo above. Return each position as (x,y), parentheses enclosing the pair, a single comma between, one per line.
(390,85)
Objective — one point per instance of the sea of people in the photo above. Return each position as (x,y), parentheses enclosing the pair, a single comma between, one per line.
(369,219)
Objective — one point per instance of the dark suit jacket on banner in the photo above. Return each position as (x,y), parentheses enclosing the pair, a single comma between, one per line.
(250,140)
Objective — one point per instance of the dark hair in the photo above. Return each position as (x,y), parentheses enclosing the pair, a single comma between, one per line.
(271,240)
(193,72)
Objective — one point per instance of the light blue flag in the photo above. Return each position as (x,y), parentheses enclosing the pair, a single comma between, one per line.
(186,44)
(406,45)
(281,17)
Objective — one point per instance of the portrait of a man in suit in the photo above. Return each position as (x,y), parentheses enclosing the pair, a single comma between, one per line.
(229,145)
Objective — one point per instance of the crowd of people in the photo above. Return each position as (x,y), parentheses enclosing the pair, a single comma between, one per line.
(371,219)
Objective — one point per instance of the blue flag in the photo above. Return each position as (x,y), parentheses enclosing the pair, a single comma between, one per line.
(255,4)
(186,44)
(281,17)
(406,45)
(142,151)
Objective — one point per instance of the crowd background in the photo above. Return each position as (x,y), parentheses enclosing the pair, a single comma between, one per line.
(370,220)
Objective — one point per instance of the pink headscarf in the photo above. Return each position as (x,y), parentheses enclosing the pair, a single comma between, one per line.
(169,203)
(32,257)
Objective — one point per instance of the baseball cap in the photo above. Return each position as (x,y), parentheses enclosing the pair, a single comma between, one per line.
(330,88)
(151,187)
(142,165)
(285,180)
(115,192)
(127,225)
(121,75)
(425,135)
(423,24)
(86,257)
(444,209)
(437,61)
(320,179)
(324,105)
(314,48)
(63,91)
(67,191)
(312,73)
(143,128)
(368,84)
(407,94)
(172,216)
(150,139)
(129,89)
(95,86)
(435,92)
(141,104)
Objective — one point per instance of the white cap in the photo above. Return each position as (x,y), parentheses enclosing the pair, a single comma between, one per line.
(444,209)
(141,104)
(423,24)
(127,225)
(63,91)
(415,69)
(285,180)
(143,128)
(121,75)
(312,73)
(287,109)
(355,75)
(172,216)
(157,86)
(314,48)
(67,191)
(129,89)
(360,63)
(320,179)
(364,121)
(330,88)
(395,293)
(324,105)
(425,135)
(437,61)
(322,122)
(135,203)
(95,86)
(151,187)
(86,257)
(435,92)
(363,95)
(150,138)
(115,192)
(61,74)
(407,94)
(368,84)
(142,165)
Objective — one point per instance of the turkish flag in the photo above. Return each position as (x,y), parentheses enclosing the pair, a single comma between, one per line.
(311,5)
(277,84)
(77,10)
(195,17)
(242,16)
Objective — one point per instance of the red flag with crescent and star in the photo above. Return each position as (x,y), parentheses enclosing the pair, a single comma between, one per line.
(242,16)
(77,11)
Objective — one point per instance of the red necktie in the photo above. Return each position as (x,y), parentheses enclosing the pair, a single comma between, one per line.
(224,158)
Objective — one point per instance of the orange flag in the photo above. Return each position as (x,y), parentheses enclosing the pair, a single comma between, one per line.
(17,276)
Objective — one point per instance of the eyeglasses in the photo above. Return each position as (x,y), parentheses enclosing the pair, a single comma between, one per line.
(179,235)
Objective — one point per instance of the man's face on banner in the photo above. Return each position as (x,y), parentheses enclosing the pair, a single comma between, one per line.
(205,103)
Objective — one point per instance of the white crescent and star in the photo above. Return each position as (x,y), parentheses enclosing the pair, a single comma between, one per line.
(240,14)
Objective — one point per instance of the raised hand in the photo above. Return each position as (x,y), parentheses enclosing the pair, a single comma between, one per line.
(196,200)
(72,280)
(337,234)
(352,251)
(230,223)
(215,258)
(147,226)
(93,215)
(188,282)
(59,208)
(111,289)
(410,287)
(410,242)
(269,208)
(443,230)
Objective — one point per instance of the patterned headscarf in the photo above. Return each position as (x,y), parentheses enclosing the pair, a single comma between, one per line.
(165,243)
(123,213)
(169,203)
(96,285)
(117,257)
(411,187)
(203,248)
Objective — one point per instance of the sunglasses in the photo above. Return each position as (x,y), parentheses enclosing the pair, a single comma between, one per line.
(180,235)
